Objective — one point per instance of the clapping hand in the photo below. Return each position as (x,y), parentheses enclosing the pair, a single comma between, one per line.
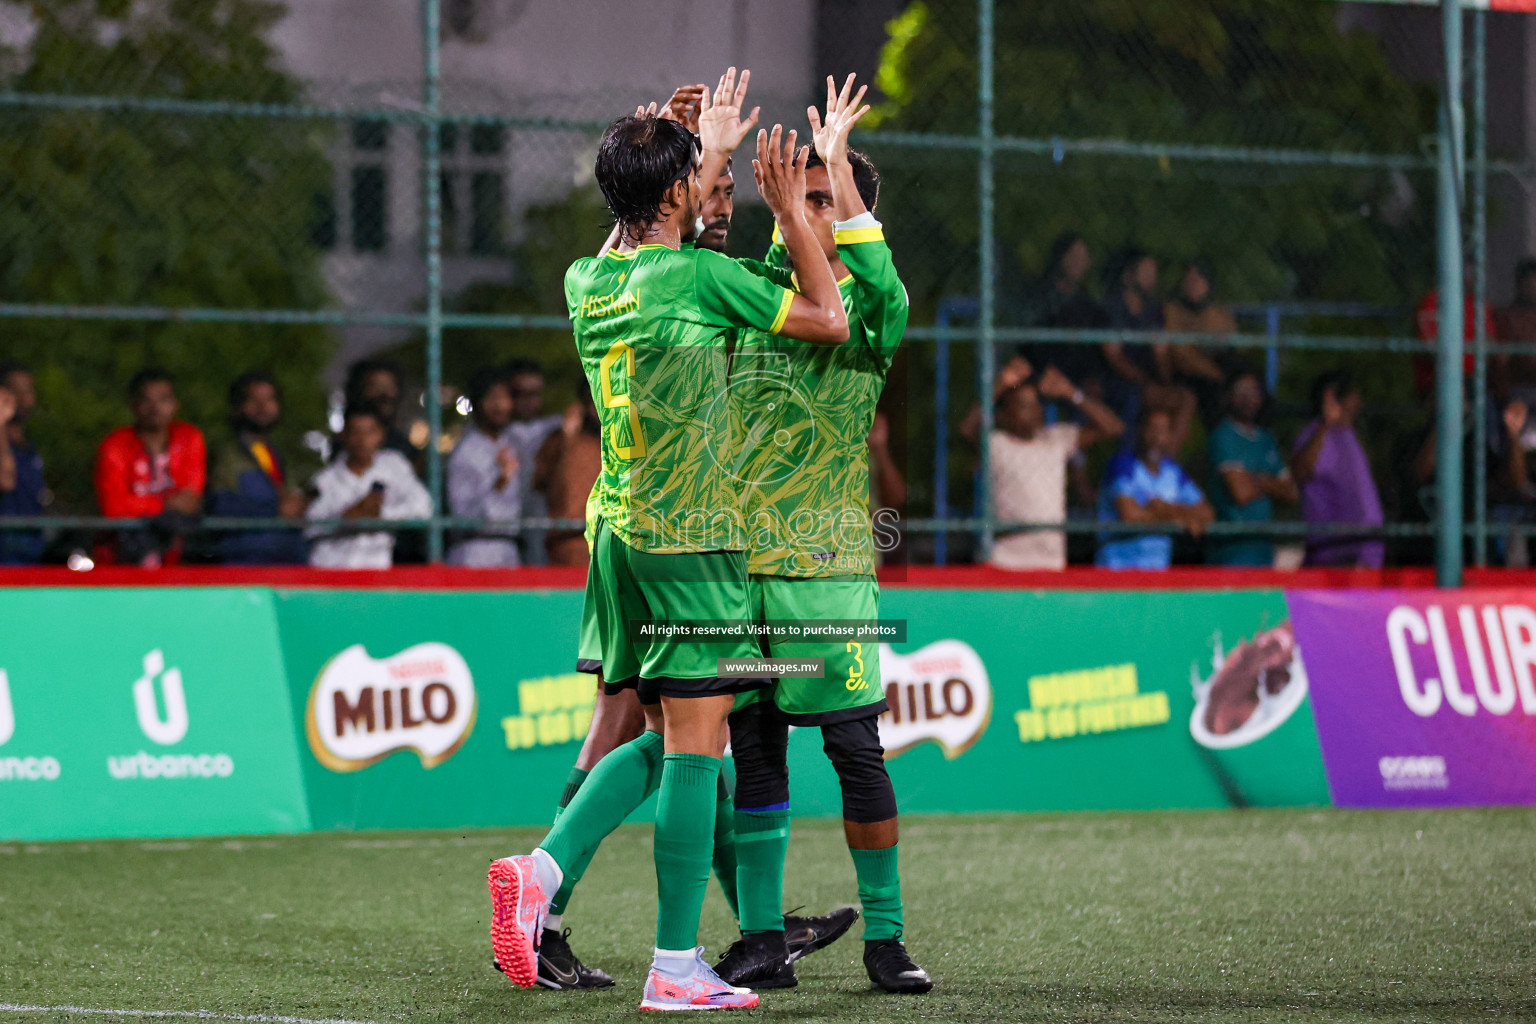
(780,172)
(831,134)
(720,124)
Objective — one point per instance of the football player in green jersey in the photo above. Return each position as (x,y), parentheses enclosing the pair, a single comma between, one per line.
(805,470)
(651,324)
(619,718)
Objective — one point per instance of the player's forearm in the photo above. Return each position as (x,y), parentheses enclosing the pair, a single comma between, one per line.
(817,313)
(846,202)
(711,165)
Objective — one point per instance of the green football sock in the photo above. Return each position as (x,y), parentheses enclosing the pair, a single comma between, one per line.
(879,892)
(616,786)
(725,845)
(684,826)
(573,783)
(572,787)
(762,838)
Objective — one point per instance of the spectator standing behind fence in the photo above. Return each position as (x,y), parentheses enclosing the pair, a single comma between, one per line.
(1517,322)
(1141,372)
(1427,322)
(1335,477)
(1148,486)
(527,434)
(22,491)
(1509,494)
(248,478)
(377,383)
(1248,475)
(567,468)
(483,474)
(365,481)
(155,469)
(1193,310)
(1058,299)
(1028,461)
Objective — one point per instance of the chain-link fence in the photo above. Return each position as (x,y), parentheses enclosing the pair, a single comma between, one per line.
(1150,197)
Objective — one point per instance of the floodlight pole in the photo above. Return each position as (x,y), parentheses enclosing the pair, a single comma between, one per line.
(1448,469)
(433,244)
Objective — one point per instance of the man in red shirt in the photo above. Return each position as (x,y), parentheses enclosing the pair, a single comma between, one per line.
(154,469)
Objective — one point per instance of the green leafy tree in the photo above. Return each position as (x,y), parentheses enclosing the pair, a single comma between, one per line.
(121,208)
(1241,73)
(1237,73)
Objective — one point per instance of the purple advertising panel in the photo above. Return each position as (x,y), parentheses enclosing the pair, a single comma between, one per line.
(1423,698)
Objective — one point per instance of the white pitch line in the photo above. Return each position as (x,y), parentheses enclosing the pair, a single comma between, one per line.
(253,1018)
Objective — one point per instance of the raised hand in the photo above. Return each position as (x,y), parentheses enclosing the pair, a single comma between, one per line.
(646,111)
(780,172)
(1055,384)
(1011,374)
(720,125)
(831,134)
(7,406)
(684,104)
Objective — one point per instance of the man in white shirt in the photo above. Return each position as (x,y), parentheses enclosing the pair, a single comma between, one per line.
(526,434)
(483,475)
(364,482)
(1028,468)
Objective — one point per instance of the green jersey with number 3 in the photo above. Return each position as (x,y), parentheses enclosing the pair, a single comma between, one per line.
(651,328)
(806,413)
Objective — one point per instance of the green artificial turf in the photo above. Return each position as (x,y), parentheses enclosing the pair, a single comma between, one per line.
(1253,915)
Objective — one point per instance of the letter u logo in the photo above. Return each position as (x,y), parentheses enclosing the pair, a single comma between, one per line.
(7,714)
(173,727)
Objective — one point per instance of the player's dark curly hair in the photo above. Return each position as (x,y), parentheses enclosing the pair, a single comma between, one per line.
(865,178)
(640,158)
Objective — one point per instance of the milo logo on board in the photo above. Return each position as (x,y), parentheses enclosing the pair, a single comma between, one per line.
(937,694)
(362,709)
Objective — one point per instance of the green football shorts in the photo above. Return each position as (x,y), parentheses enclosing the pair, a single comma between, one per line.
(589,642)
(851,688)
(626,587)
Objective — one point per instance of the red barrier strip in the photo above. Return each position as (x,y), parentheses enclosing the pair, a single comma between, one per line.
(969,577)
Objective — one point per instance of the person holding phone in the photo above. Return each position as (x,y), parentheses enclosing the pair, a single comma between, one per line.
(365,482)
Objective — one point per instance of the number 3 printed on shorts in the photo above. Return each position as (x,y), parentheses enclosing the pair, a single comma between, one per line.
(856,679)
(622,350)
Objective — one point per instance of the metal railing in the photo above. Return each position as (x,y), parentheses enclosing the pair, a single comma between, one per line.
(985,144)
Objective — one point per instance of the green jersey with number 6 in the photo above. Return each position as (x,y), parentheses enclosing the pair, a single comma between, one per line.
(651,328)
(806,412)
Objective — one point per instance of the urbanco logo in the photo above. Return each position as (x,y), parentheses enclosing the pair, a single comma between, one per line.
(939,693)
(22,769)
(173,727)
(362,709)
(166,730)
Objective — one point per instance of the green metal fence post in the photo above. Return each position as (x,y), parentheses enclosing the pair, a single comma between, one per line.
(432,192)
(1448,540)
(986,357)
(1480,283)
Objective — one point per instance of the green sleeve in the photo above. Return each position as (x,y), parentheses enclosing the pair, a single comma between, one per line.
(880,298)
(778,256)
(730,295)
(778,273)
